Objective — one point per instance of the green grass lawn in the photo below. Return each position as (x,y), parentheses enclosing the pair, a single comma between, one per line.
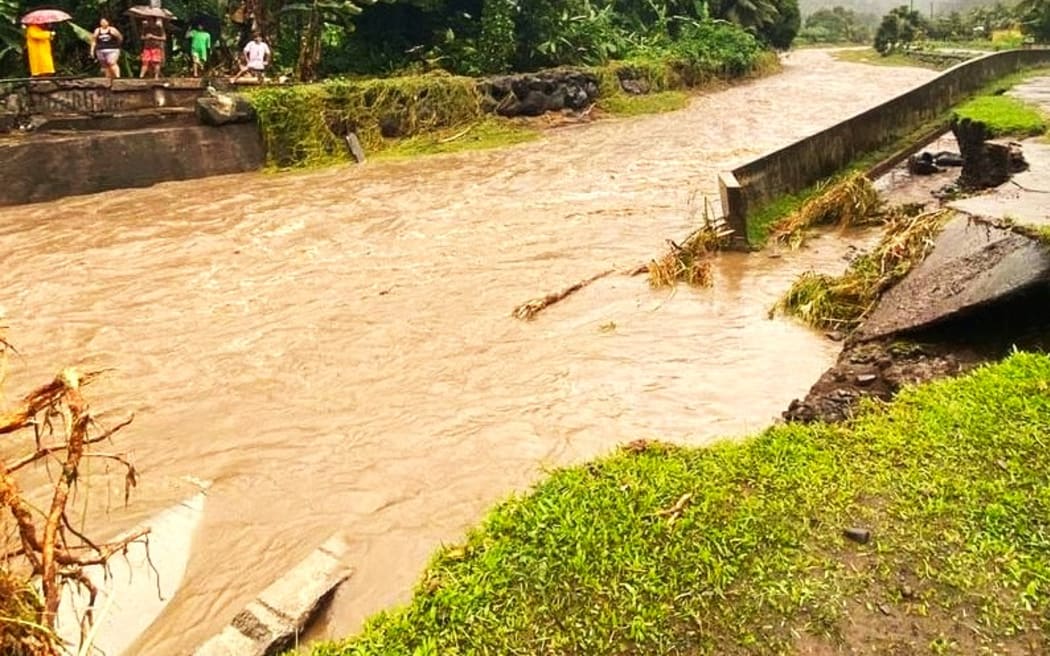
(622,104)
(1004,116)
(740,548)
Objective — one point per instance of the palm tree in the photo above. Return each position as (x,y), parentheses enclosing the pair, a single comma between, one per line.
(752,15)
(1035,18)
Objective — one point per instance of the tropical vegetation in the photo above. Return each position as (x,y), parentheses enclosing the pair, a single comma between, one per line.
(321,38)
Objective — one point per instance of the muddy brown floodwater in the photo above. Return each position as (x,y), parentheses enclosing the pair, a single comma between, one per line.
(334,349)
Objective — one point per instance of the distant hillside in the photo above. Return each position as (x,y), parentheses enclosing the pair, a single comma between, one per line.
(880,7)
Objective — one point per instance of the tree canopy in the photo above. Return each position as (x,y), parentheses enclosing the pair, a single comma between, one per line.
(376,37)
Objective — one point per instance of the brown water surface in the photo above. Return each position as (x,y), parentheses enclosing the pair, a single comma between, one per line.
(334,349)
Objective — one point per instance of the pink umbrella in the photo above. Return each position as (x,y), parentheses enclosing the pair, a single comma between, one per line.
(45,16)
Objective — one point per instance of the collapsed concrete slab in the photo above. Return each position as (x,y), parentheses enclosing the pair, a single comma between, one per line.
(270,624)
(973,263)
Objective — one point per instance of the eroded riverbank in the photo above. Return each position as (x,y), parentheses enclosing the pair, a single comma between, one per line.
(334,349)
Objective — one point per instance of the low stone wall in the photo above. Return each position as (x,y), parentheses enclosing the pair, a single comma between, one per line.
(746,189)
(89,96)
(45,167)
(534,94)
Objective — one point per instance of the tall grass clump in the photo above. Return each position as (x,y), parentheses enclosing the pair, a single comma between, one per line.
(852,201)
(842,302)
(20,606)
(308,124)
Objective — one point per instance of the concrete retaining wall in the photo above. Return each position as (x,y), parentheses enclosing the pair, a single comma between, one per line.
(89,96)
(46,167)
(791,169)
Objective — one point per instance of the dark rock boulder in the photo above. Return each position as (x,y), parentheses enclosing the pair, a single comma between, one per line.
(635,87)
(534,104)
(533,94)
(221,109)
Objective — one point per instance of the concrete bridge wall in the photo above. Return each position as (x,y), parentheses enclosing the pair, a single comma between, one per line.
(92,96)
(46,167)
(748,188)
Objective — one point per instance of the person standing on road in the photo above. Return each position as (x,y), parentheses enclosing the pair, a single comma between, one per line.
(256,59)
(38,45)
(200,46)
(105,45)
(154,39)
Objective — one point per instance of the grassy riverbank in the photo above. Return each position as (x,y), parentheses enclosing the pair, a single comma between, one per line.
(739,548)
(306,125)
(871,56)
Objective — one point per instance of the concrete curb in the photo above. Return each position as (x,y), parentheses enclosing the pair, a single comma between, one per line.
(269,624)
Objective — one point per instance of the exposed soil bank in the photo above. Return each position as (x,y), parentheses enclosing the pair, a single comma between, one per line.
(880,368)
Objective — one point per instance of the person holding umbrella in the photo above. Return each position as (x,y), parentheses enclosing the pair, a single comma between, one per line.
(38,39)
(154,40)
(38,46)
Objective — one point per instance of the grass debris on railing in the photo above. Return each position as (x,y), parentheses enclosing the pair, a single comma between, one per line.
(842,302)
(852,201)
(690,261)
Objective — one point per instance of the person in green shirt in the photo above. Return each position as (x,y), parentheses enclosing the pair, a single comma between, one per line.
(200,45)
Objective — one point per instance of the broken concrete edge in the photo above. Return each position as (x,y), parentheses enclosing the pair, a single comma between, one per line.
(1040,234)
(799,165)
(976,262)
(733,211)
(273,621)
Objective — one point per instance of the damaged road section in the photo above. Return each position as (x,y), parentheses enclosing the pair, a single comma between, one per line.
(983,290)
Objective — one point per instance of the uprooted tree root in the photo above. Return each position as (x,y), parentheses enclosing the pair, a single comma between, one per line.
(852,201)
(58,427)
(842,302)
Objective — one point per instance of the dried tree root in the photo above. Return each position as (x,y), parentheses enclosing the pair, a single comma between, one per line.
(528,311)
(48,549)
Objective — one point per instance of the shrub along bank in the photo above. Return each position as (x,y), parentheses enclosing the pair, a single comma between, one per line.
(918,527)
(308,124)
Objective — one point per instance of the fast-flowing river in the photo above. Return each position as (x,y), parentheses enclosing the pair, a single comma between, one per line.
(334,349)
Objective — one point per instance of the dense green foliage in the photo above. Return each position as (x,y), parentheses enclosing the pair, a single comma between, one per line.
(1035,18)
(838,25)
(306,124)
(898,29)
(993,26)
(739,548)
(317,38)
